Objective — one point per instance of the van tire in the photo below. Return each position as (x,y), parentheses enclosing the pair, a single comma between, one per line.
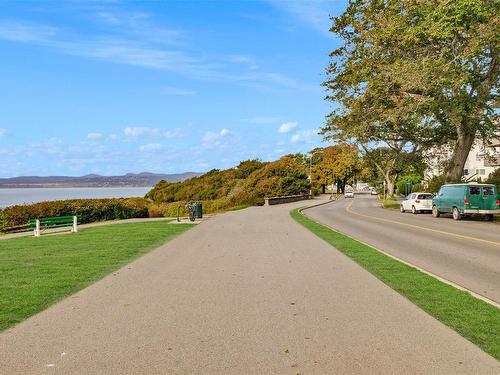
(456,214)
(435,211)
(414,211)
(489,217)
(401,208)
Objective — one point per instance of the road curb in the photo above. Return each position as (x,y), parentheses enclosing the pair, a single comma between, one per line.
(318,204)
(451,283)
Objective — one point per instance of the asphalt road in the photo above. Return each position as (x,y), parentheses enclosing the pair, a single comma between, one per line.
(247,292)
(465,252)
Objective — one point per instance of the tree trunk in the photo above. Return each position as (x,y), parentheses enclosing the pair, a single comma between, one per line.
(391,182)
(459,157)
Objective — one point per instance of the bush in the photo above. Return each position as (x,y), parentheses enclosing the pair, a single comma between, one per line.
(494,178)
(247,184)
(435,183)
(89,210)
(418,187)
(390,203)
(170,209)
(401,186)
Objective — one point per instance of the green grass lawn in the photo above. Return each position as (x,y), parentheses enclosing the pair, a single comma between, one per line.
(474,319)
(391,203)
(37,272)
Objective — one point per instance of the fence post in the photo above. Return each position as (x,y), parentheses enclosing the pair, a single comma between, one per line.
(75,224)
(37,228)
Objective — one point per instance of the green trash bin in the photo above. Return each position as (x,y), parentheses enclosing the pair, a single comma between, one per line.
(199,210)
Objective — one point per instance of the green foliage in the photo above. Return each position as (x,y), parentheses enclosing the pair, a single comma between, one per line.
(418,187)
(391,203)
(494,178)
(403,180)
(247,167)
(249,183)
(413,74)
(435,183)
(282,177)
(339,164)
(212,185)
(89,210)
(171,209)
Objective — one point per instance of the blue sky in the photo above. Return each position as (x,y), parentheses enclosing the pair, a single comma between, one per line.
(169,86)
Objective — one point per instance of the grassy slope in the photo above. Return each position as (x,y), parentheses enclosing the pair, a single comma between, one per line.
(37,272)
(472,318)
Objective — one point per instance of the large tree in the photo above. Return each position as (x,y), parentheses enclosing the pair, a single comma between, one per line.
(338,164)
(436,64)
(384,125)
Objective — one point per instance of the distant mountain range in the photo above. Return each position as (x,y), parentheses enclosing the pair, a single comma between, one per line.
(144,179)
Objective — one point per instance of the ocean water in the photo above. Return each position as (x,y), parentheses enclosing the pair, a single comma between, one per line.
(9,197)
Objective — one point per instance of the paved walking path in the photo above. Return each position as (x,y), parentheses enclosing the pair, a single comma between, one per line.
(247,292)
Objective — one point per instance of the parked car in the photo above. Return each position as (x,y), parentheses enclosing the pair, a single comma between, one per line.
(467,199)
(374,192)
(417,202)
(349,194)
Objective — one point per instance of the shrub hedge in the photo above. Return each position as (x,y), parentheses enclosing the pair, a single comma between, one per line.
(247,184)
(89,210)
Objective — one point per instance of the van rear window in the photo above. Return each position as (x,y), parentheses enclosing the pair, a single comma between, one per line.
(425,196)
(474,190)
(487,190)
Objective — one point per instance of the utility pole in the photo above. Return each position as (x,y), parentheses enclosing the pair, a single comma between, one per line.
(310,171)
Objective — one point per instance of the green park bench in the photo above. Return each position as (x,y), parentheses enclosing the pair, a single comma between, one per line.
(38,225)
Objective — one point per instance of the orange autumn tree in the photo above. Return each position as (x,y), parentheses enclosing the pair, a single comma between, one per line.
(339,164)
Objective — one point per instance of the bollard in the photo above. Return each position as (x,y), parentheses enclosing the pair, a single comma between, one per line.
(37,228)
(75,224)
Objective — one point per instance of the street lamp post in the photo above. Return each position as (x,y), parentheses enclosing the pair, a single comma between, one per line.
(310,170)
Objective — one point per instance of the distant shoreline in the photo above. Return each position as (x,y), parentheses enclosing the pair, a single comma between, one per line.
(71,186)
(12,196)
(129,180)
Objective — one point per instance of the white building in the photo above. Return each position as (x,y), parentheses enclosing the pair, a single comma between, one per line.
(484,158)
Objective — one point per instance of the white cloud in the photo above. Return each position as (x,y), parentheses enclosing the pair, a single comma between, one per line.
(3,132)
(295,138)
(178,91)
(244,59)
(140,24)
(142,131)
(211,136)
(25,32)
(151,147)
(287,127)
(260,120)
(137,131)
(133,41)
(313,13)
(94,136)
(306,136)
